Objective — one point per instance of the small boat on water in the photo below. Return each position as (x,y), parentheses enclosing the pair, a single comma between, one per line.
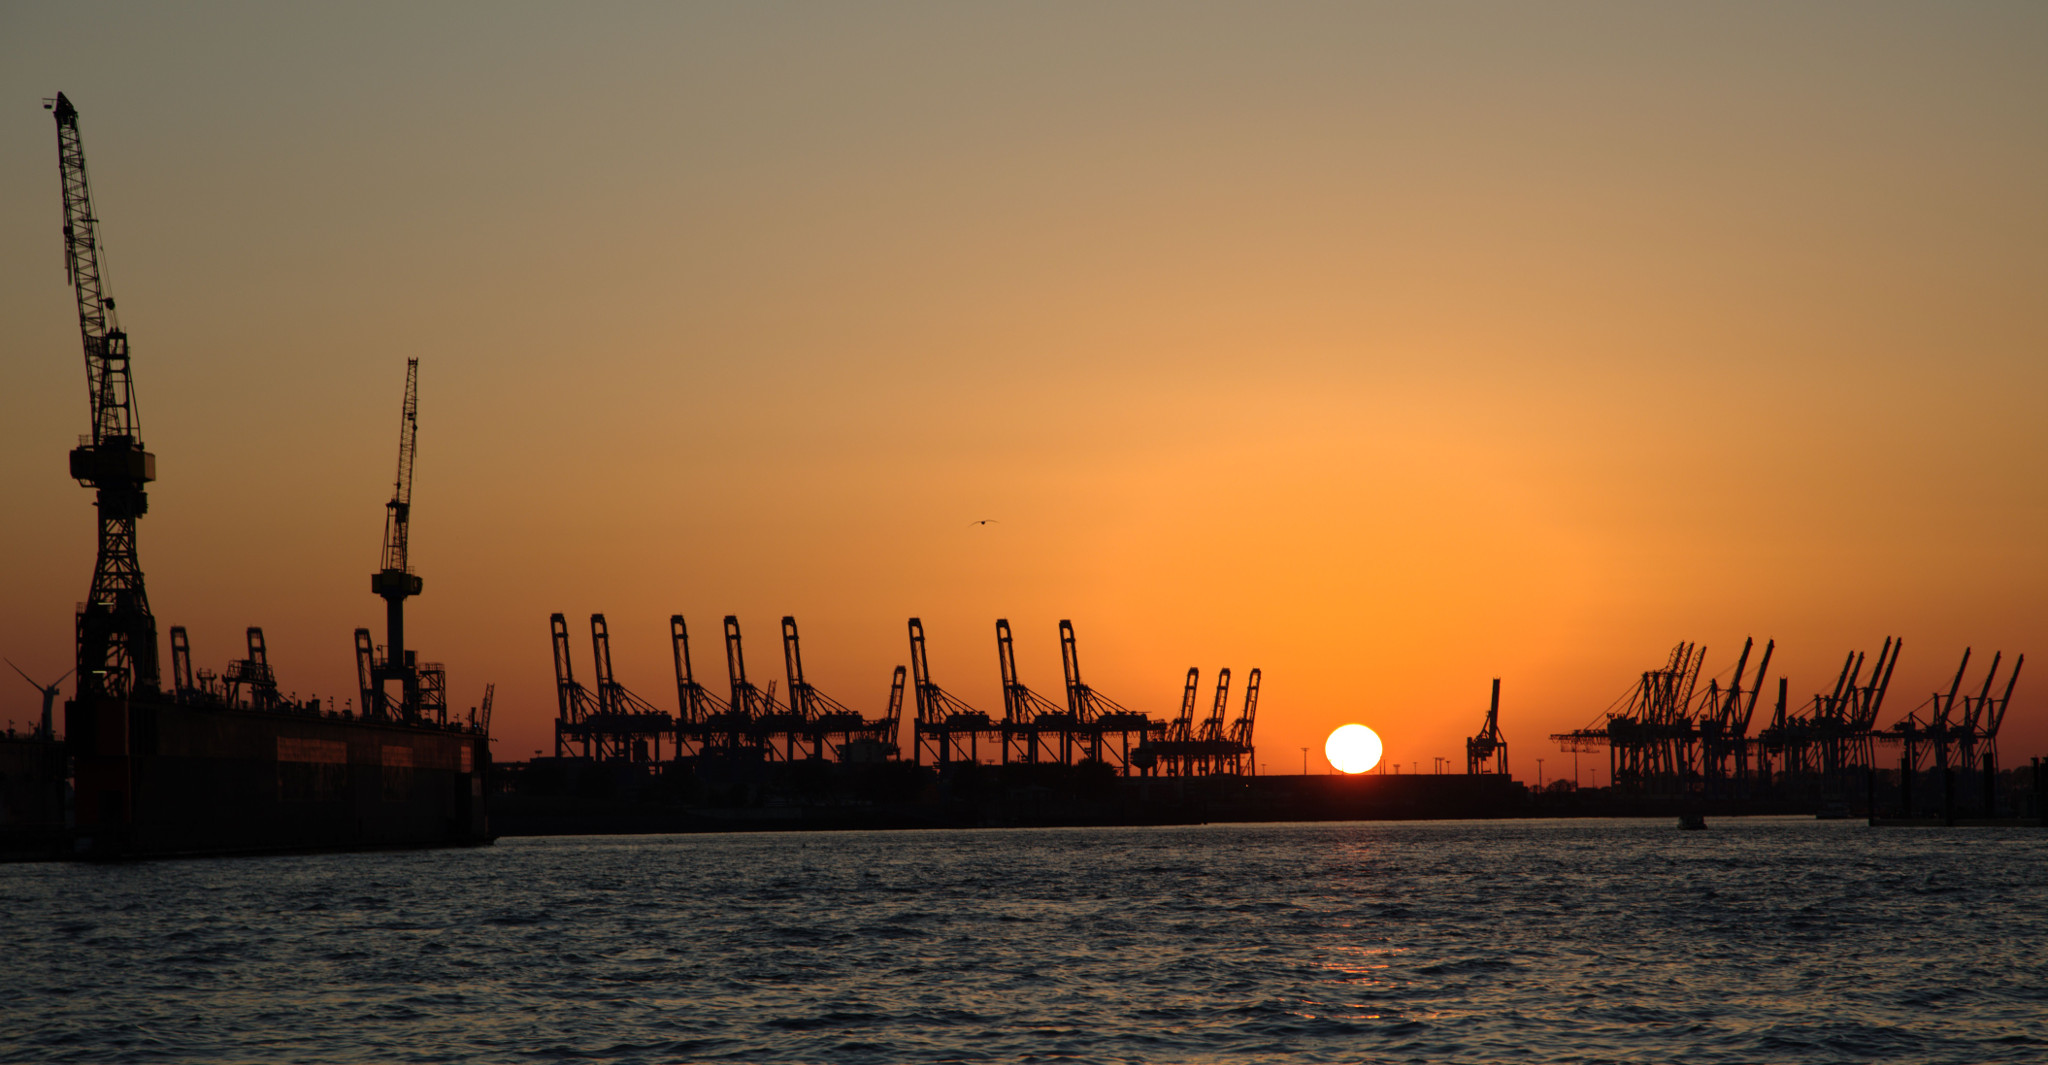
(1692,820)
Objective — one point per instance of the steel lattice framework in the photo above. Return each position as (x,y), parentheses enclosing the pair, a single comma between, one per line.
(117,653)
(396,581)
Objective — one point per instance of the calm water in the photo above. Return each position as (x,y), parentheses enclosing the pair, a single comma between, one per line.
(1758,940)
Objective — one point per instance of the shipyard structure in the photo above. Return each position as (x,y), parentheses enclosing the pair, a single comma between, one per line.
(922,756)
(219,762)
(608,723)
(1678,742)
(775,752)
(771,751)
(1672,737)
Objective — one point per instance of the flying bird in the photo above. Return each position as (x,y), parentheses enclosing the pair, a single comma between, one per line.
(985,521)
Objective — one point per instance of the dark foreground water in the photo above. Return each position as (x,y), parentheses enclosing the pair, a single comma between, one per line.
(1757,940)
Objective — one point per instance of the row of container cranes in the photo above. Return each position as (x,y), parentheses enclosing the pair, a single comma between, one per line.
(606,722)
(1668,735)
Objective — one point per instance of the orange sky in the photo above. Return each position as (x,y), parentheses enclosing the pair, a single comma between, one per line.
(1386,348)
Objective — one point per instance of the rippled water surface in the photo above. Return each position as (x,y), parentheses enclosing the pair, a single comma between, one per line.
(1758,940)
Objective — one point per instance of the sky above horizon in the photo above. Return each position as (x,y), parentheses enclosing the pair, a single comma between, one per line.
(1386,348)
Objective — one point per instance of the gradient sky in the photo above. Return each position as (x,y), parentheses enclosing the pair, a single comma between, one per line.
(1388,348)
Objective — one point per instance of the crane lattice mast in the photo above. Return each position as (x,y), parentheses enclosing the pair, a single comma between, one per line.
(117,653)
(396,581)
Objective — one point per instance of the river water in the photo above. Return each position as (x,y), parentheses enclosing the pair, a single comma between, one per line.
(1582,941)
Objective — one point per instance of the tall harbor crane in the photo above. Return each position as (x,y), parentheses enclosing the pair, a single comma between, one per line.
(625,724)
(1172,750)
(1099,715)
(117,652)
(182,684)
(1183,728)
(749,703)
(1210,738)
(396,581)
(1242,754)
(219,763)
(1488,751)
(1026,714)
(700,715)
(942,718)
(575,705)
(826,720)
(255,672)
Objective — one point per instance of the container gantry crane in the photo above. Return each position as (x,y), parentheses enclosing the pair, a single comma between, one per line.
(1172,748)
(1965,742)
(1984,728)
(1027,715)
(624,724)
(1098,714)
(1181,734)
(1242,755)
(117,651)
(827,720)
(1210,739)
(396,582)
(181,663)
(750,705)
(1488,751)
(610,723)
(255,672)
(699,713)
(574,704)
(888,731)
(1831,740)
(942,718)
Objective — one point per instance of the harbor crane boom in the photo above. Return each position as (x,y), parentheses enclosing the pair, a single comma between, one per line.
(1182,729)
(1998,715)
(1241,729)
(117,652)
(1212,729)
(942,718)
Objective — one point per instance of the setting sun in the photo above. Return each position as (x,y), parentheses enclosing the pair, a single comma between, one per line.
(1353,749)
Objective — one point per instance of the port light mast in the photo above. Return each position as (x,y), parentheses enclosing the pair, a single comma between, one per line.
(117,653)
(396,581)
